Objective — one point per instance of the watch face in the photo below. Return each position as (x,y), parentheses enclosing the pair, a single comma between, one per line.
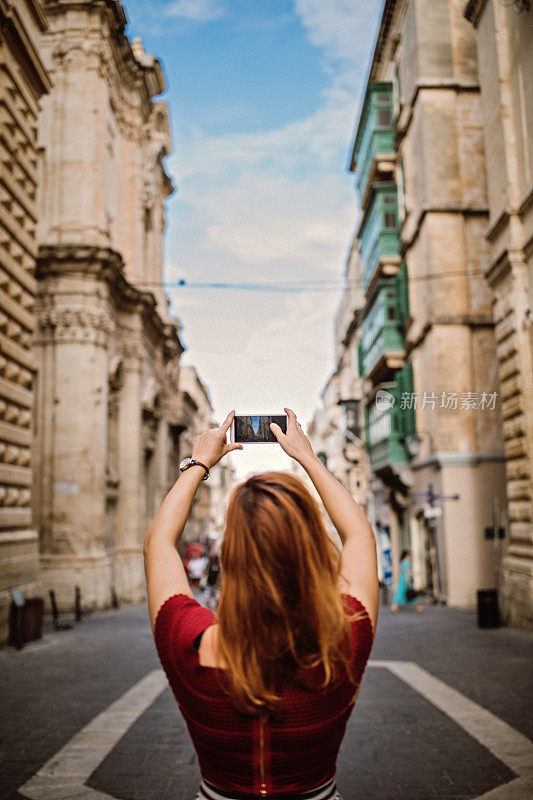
(185,463)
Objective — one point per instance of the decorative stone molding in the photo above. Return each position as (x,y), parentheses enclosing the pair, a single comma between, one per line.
(107,264)
(139,71)
(14,496)
(80,318)
(158,145)
(64,259)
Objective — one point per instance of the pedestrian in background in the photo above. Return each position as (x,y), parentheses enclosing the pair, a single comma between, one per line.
(405,593)
(211,591)
(267,685)
(196,568)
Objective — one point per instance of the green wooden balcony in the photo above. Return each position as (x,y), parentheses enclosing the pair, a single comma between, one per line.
(388,421)
(383,330)
(379,235)
(374,139)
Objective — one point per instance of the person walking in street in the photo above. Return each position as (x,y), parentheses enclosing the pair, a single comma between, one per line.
(211,591)
(196,568)
(266,685)
(405,593)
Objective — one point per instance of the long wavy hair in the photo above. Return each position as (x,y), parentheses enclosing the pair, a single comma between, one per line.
(280,611)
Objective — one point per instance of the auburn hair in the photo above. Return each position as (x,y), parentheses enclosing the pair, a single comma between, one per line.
(280,611)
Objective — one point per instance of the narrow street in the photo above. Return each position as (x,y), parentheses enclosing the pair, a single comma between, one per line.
(443,713)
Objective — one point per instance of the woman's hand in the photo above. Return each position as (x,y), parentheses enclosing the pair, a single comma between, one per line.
(294,442)
(210,447)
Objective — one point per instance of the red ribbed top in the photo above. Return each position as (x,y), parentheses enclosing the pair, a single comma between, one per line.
(299,752)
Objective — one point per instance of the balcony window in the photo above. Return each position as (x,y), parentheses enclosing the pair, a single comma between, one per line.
(351,420)
(383,323)
(387,423)
(360,359)
(375,132)
(379,231)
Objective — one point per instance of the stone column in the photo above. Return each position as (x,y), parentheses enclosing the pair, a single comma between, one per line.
(71,437)
(129,535)
(162,455)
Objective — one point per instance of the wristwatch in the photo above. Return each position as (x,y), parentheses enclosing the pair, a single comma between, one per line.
(191,462)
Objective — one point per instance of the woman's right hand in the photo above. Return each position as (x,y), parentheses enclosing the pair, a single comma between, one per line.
(294,442)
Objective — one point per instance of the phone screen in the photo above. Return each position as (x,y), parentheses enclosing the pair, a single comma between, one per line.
(256,429)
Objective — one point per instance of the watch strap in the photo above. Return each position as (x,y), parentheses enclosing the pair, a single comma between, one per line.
(193,462)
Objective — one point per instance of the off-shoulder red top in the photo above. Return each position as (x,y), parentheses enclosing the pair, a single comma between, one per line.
(298,753)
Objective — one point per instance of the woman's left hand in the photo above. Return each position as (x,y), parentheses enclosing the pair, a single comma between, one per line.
(210,447)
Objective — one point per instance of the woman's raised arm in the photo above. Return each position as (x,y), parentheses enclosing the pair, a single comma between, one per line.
(359,568)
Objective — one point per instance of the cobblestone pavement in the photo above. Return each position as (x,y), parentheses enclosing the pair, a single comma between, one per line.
(399,743)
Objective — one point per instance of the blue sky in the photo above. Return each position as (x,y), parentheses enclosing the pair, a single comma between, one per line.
(263,98)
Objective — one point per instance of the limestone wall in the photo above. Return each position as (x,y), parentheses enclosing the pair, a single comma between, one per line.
(23,82)
(505,52)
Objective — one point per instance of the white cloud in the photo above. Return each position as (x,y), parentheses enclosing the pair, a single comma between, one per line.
(344,28)
(312,144)
(270,219)
(197,10)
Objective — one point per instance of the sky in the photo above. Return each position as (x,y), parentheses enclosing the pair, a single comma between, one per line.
(263,98)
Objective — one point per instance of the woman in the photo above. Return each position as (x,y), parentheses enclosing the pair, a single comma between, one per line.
(405,582)
(266,686)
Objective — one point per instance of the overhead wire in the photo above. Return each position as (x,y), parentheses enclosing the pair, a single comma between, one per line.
(318,285)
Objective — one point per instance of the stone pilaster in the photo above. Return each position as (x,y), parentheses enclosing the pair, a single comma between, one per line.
(128,534)
(70,346)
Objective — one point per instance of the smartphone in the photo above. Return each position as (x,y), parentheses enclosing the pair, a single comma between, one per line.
(255,429)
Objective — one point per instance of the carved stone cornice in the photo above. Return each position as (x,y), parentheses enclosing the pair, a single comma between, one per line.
(135,68)
(65,259)
(107,265)
(113,9)
(383,33)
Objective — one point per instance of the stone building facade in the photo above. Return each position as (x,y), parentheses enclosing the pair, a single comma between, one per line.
(427,351)
(207,517)
(24,80)
(504,36)
(108,416)
(335,431)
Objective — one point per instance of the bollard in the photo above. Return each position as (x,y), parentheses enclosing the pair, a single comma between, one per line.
(55,612)
(58,625)
(16,619)
(487,608)
(77,604)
